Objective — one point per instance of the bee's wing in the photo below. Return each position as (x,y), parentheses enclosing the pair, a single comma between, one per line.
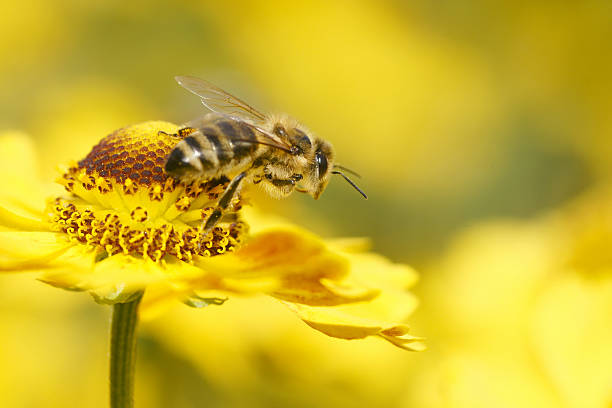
(200,122)
(219,101)
(223,103)
(264,137)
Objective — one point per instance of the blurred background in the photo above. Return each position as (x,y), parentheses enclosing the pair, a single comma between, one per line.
(482,132)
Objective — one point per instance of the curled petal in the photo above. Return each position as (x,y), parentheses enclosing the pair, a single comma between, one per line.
(382,317)
(398,336)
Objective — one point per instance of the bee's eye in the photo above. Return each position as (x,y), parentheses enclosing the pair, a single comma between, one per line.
(321,163)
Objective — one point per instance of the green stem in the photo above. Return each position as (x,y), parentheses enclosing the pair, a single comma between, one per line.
(123,353)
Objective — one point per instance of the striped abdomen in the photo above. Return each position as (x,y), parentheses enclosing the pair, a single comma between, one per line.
(216,148)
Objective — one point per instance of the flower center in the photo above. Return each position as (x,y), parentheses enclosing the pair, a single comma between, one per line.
(121,200)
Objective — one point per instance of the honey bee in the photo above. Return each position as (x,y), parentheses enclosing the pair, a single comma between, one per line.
(246,146)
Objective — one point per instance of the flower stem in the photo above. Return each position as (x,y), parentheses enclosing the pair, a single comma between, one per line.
(123,353)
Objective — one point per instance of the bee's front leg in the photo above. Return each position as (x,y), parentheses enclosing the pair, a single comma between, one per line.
(291,181)
(224,202)
(283,187)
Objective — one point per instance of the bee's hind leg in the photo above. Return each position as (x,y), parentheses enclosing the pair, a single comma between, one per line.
(224,202)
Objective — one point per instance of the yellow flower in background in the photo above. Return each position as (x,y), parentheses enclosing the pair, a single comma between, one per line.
(122,226)
(519,314)
(45,338)
(587,226)
(250,357)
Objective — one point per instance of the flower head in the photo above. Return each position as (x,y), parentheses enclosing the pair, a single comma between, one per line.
(121,225)
(122,201)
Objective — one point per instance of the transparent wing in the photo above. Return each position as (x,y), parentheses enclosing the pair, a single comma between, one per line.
(264,137)
(219,101)
(223,103)
(201,121)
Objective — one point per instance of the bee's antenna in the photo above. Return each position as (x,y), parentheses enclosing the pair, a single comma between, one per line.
(341,167)
(350,182)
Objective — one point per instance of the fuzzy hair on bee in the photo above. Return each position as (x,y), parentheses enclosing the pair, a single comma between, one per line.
(248,147)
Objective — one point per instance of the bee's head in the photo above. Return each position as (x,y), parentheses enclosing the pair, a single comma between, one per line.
(321,167)
(317,170)
(315,157)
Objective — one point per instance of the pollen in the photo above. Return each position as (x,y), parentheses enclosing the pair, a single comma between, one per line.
(120,200)
(134,153)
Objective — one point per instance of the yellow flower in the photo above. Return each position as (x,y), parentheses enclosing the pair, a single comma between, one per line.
(520,311)
(42,333)
(121,225)
(587,225)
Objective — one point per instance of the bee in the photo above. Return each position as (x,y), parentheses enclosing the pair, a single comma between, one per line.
(246,146)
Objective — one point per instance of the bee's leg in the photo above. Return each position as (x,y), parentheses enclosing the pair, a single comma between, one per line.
(182,132)
(224,202)
(291,181)
(284,186)
(186,131)
(282,182)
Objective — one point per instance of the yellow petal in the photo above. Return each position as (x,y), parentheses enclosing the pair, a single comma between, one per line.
(383,316)
(117,278)
(261,284)
(159,298)
(290,264)
(373,270)
(352,244)
(27,251)
(386,311)
(114,279)
(177,285)
(291,247)
(15,214)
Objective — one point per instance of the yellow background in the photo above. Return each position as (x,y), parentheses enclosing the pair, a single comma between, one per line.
(472,123)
